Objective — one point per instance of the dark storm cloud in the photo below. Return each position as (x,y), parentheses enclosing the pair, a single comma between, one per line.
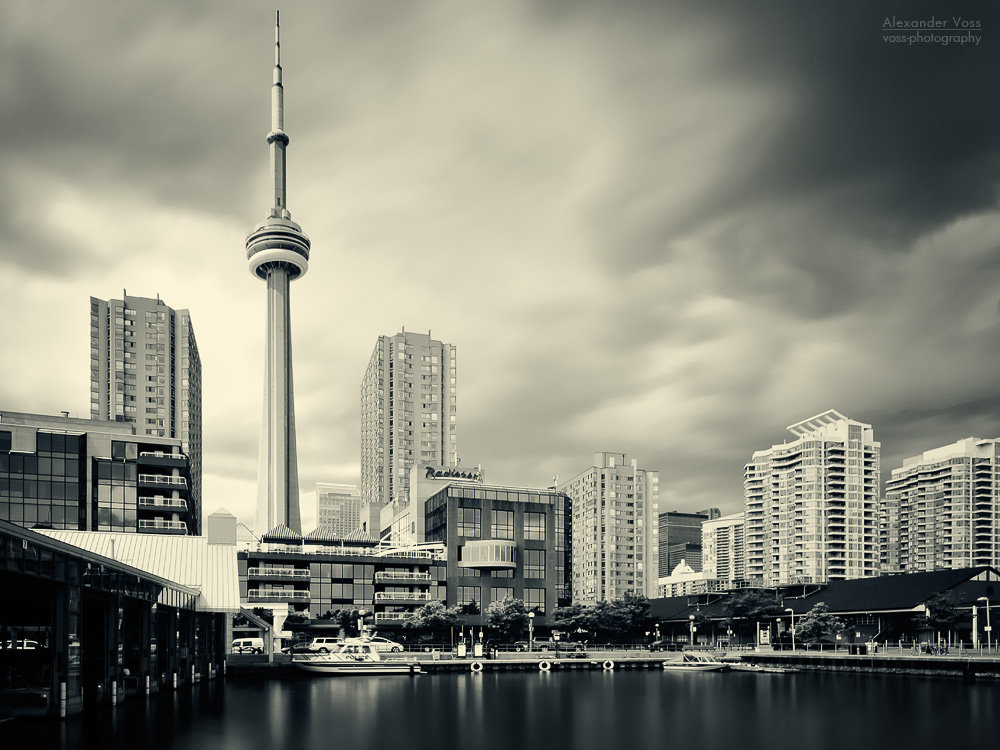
(868,146)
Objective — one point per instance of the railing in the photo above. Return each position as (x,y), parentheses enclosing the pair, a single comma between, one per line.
(278,572)
(391,616)
(375,551)
(161,454)
(398,596)
(160,525)
(163,479)
(267,595)
(162,502)
(390,576)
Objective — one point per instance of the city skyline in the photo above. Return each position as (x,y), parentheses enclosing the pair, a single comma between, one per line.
(648,230)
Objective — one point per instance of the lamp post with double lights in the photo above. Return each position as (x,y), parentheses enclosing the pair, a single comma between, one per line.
(531,631)
(792,625)
(988,629)
(691,624)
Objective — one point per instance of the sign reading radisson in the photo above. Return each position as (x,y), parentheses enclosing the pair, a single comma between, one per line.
(453,472)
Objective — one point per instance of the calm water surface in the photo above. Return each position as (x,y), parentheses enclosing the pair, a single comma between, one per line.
(582,710)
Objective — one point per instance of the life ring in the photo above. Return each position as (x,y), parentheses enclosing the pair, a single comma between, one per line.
(544,665)
(608,664)
(476,666)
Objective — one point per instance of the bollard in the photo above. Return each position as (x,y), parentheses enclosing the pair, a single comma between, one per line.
(62,700)
(147,686)
(175,680)
(114,692)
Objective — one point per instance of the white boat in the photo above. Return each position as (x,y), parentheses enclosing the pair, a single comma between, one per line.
(744,667)
(692,661)
(354,657)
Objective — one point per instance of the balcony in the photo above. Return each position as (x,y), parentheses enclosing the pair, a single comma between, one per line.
(397,596)
(488,554)
(161,458)
(392,576)
(158,502)
(158,526)
(162,480)
(391,616)
(293,573)
(267,595)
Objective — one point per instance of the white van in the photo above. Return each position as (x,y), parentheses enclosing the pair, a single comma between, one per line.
(248,646)
(323,645)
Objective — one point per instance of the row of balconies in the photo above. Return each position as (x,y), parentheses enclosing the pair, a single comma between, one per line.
(163,479)
(266,572)
(159,502)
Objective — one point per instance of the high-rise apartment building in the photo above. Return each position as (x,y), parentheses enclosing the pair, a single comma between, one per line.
(614,509)
(145,370)
(407,413)
(812,504)
(723,547)
(338,507)
(942,509)
(677,528)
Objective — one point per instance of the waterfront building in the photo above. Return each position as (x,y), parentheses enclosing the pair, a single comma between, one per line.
(615,507)
(407,413)
(106,623)
(884,609)
(501,542)
(145,370)
(812,504)
(323,572)
(90,474)
(942,509)
(676,528)
(724,547)
(338,507)
(402,520)
(278,252)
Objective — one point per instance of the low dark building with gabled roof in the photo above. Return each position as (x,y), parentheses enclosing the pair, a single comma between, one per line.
(886,608)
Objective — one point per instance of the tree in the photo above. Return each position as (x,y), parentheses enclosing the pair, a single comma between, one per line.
(941,613)
(433,617)
(508,617)
(265,614)
(750,606)
(818,625)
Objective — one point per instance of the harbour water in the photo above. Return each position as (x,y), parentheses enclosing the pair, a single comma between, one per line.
(579,710)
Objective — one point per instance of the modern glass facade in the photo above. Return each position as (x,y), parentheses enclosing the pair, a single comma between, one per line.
(503,542)
(66,473)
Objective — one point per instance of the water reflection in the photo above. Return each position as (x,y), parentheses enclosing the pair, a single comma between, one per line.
(580,710)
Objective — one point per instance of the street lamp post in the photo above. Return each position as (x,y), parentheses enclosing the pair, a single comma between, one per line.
(531,631)
(792,626)
(988,628)
(691,624)
(361,623)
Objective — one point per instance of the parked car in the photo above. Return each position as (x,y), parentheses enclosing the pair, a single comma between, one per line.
(324,645)
(665,646)
(548,644)
(22,644)
(248,646)
(384,644)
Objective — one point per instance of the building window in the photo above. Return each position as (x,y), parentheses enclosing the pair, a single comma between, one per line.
(534,600)
(468,522)
(534,526)
(502,522)
(502,592)
(534,563)
(469,596)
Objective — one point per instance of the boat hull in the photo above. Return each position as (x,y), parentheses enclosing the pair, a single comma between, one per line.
(695,667)
(357,668)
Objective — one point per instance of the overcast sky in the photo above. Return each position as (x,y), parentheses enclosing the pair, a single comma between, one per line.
(664,228)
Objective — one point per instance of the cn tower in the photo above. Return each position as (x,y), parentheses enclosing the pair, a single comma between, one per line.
(278,252)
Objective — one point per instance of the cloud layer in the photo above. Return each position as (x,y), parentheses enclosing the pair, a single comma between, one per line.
(668,229)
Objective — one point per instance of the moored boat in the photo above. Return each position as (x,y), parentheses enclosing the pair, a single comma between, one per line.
(692,661)
(354,657)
